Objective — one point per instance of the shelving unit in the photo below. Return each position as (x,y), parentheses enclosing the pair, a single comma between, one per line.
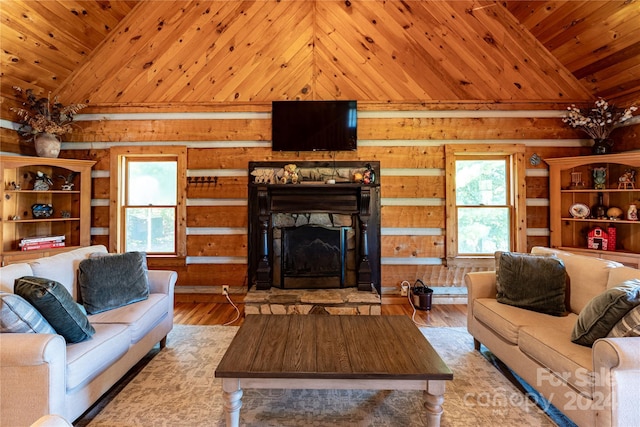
(71,208)
(571,233)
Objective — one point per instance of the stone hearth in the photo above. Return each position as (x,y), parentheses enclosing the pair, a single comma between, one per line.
(312,301)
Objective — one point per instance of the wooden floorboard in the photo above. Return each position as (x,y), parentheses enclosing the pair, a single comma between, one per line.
(216,310)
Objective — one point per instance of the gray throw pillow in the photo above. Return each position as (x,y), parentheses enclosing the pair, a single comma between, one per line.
(113,281)
(532,282)
(56,305)
(602,313)
(18,316)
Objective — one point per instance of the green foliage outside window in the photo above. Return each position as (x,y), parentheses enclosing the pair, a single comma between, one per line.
(150,215)
(482,206)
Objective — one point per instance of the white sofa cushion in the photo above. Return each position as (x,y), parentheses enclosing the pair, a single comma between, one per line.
(551,346)
(140,317)
(507,320)
(622,274)
(87,359)
(589,273)
(63,267)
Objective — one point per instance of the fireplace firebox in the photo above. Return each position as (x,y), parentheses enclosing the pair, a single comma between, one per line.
(313,256)
(339,252)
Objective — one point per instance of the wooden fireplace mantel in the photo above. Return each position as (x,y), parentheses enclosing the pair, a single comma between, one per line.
(362,201)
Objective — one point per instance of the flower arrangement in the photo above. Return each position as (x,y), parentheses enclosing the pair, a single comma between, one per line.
(600,121)
(41,115)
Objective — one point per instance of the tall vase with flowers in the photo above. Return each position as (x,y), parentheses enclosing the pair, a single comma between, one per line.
(44,120)
(598,122)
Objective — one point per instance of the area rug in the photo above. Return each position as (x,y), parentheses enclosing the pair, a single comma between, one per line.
(177,388)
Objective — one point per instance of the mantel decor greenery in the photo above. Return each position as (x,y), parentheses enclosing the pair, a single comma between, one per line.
(44,120)
(598,122)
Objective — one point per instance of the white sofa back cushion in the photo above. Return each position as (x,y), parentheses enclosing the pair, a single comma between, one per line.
(11,272)
(589,274)
(63,267)
(622,274)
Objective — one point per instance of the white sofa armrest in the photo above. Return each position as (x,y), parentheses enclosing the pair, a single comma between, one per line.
(616,364)
(33,375)
(162,281)
(617,353)
(480,284)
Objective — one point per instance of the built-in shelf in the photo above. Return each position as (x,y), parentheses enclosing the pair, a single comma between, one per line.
(571,234)
(71,207)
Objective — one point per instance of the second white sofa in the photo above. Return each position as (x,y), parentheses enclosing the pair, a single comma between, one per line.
(594,386)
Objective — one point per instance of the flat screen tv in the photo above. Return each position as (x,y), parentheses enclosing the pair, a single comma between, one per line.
(314,126)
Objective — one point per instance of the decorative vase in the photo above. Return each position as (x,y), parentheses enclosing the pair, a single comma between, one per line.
(47,145)
(602,146)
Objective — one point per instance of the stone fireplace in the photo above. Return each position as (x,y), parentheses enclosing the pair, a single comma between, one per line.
(312,235)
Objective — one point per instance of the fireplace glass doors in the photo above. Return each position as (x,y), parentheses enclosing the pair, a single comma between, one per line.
(313,256)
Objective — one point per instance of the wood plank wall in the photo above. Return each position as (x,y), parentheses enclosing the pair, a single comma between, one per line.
(407,139)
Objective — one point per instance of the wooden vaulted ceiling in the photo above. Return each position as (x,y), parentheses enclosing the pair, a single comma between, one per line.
(175,52)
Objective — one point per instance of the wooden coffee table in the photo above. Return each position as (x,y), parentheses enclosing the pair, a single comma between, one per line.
(331,352)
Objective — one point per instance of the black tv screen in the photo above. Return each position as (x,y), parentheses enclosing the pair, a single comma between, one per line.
(314,125)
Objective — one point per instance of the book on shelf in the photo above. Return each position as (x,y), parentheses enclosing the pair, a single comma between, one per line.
(41,245)
(40,239)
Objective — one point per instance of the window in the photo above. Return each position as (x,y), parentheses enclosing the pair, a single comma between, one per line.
(485,200)
(146,201)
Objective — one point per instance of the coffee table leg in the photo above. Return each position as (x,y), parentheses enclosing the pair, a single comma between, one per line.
(433,400)
(232,394)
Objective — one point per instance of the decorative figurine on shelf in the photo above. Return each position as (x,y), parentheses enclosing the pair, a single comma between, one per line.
(289,174)
(369,175)
(576,181)
(68,181)
(42,210)
(599,178)
(264,176)
(42,182)
(614,212)
(632,213)
(598,239)
(627,179)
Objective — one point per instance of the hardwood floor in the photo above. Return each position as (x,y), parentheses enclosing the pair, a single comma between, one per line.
(216,310)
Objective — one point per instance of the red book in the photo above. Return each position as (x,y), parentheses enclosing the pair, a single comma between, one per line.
(43,245)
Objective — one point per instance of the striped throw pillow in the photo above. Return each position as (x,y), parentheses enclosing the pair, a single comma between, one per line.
(628,326)
(18,316)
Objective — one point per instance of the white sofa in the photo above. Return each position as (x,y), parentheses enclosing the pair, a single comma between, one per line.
(595,386)
(40,374)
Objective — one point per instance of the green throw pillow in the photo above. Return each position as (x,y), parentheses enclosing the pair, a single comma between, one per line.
(602,313)
(55,303)
(532,282)
(113,281)
(18,316)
